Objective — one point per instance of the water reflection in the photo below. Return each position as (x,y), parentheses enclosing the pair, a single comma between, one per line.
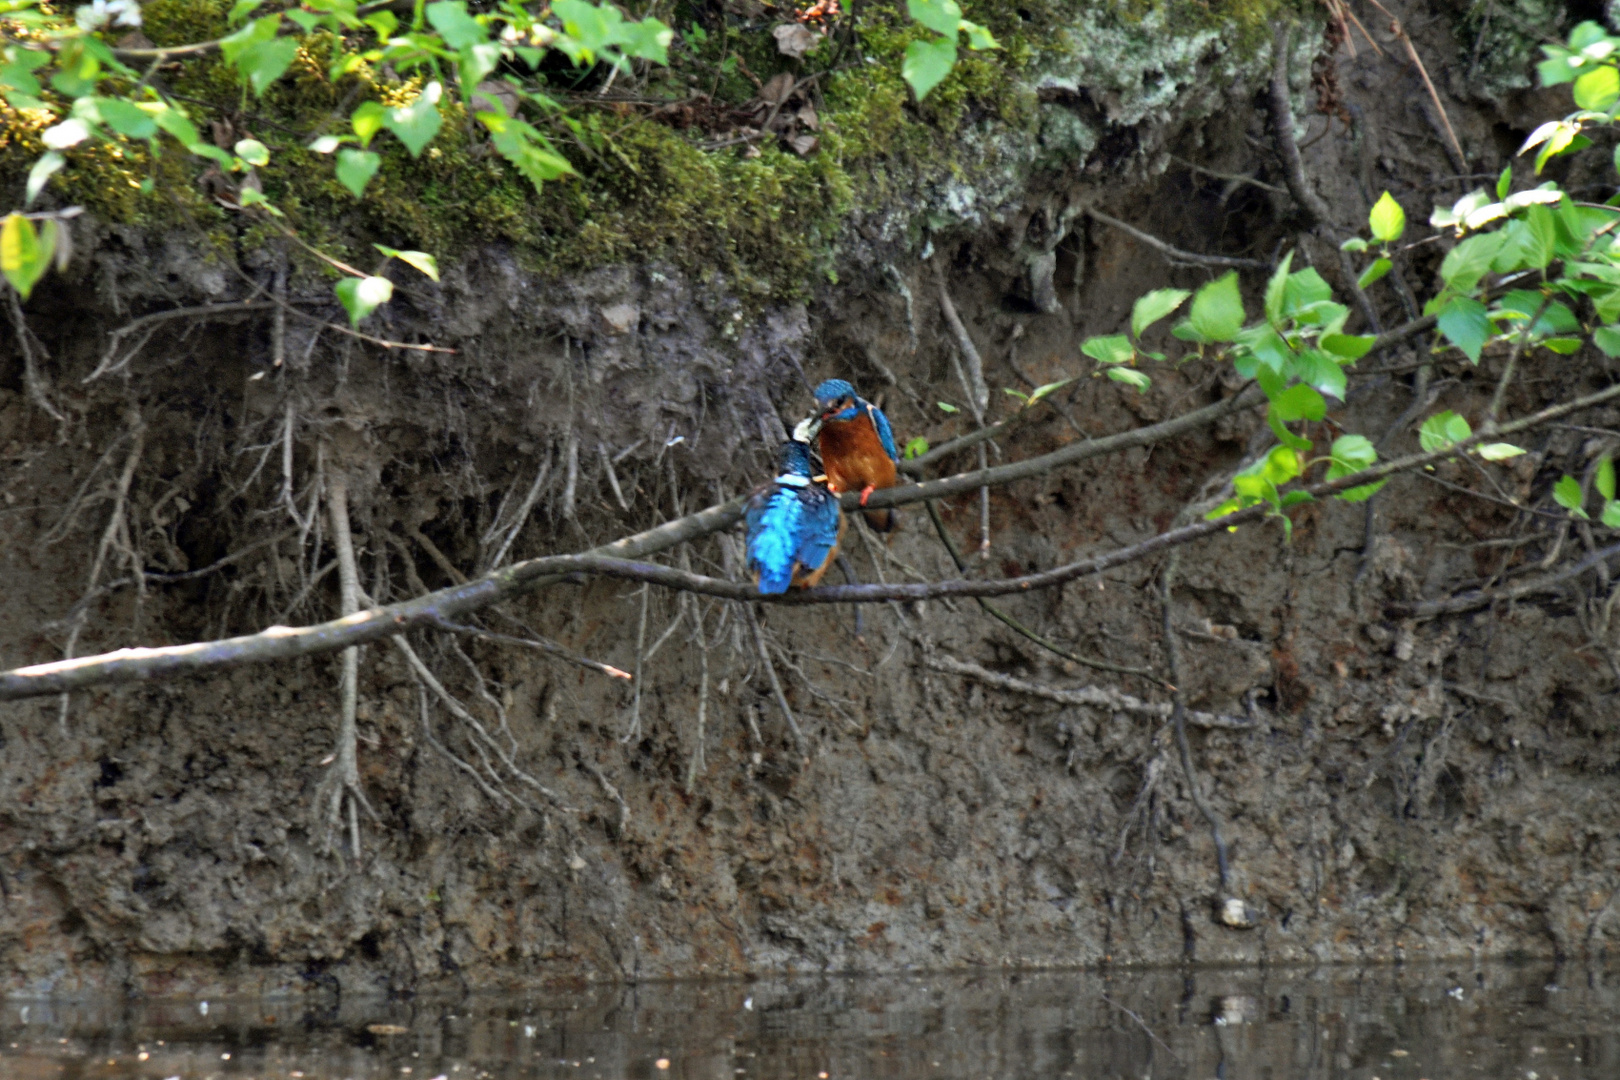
(1413,1023)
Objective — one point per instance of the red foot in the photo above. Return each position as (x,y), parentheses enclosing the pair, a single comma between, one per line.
(866,493)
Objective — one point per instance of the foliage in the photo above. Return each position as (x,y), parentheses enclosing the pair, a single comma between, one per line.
(1534,268)
(61,66)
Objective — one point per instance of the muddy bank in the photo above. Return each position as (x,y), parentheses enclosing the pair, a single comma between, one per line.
(1388,787)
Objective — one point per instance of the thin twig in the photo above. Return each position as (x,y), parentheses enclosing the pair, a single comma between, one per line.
(1178,720)
(776,683)
(539,644)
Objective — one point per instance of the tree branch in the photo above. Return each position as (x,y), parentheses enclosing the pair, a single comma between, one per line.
(617,560)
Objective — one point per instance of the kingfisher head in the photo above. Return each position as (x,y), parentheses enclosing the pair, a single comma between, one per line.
(837,400)
(795,460)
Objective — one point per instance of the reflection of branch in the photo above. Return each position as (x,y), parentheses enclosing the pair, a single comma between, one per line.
(616,560)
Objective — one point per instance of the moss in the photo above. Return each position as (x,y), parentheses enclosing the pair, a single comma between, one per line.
(768,220)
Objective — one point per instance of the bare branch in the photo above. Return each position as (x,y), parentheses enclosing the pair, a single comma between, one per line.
(618,560)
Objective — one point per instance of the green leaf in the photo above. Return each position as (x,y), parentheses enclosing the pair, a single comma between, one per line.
(253,152)
(1611,514)
(459,30)
(1154,306)
(1504,182)
(1131,377)
(1299,402)
(1441,430)
(328,143)
(367,119)
(1380,266)
(1498,451)
(1217,309)
(1355,244)
(1563,346)
(176,123)
(355,168)
(1362,493)
(1567,493)
(947,407)
(416,124)
(1304,291)
(1230,506)
(1049,388)
(979,37)
(1281,465)
(361,296)
(126,118)
(940,16)
(1321,371)
(419,259)
(24,253)
(1462,320)
(1019,394)
(252,196)
(1294,498)
(915,448)
(1284,436)
(241,10)
(1351,454)
(1470,260)
(927,63)
(49,162)
(1348,346)
(1607,339)
(1598,89)
(525,147)
(1604,480)
(1114,349)
(1387,220)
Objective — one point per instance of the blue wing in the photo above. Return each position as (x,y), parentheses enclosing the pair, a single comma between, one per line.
(885,433)
(773,537)
(818,530)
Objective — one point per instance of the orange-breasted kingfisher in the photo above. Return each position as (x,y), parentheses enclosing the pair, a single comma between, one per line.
(793,526)
(857,447)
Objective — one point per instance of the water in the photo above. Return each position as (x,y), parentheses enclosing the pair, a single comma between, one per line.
(1529,1022)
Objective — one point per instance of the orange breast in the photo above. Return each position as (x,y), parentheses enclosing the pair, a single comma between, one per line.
(854,455)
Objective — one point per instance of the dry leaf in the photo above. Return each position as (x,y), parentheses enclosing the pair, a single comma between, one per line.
(387,1029)
(804,145)
(794,40)
(808,117)
(500,91)
(779,89)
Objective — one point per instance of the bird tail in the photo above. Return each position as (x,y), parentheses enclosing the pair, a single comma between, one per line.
(773,579)
(883,521)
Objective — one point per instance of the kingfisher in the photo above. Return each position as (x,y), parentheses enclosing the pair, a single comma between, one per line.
(857,447)
(794,526)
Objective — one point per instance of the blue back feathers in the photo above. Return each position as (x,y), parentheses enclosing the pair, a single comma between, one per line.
(792,525)
(833,391)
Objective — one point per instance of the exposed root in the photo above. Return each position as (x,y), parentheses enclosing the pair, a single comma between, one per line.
(1096,697)
(343,778)
(1013,624)
(1175,254)
(776,683)
(485,742)
(521,518)
(33,381)
(118,355)
(610,791)
(632,731)
(696,763)
(539,644)
(117,534)
(1178,721)
(1139,811)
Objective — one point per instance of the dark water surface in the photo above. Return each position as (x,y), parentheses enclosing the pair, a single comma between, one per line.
(1530,1022)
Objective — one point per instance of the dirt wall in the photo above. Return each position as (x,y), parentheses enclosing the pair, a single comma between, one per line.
(1387,787)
